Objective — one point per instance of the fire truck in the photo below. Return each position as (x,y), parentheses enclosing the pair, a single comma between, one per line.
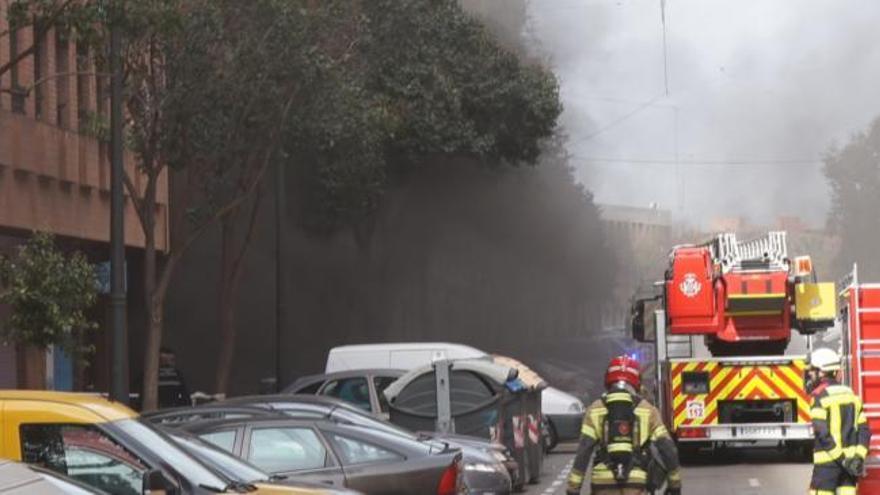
(860,350)
(719,325)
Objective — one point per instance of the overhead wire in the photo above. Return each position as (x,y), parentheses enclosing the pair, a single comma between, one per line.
(712,162)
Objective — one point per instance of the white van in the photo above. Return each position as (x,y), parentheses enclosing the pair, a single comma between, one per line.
(564,411)
(396,356)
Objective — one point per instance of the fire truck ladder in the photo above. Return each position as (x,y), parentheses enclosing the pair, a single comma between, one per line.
(858,349)
(732,254)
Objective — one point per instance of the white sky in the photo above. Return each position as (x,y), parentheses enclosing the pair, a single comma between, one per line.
(752,80)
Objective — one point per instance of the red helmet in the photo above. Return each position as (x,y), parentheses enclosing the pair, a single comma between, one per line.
(623,369)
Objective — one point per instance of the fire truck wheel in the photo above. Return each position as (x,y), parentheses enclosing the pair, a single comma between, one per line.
(689,452)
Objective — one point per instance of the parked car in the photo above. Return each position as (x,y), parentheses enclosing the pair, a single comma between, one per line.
(481,458)
(361,388)
(23,479)
(241,472)
(324,451)
(563,412)
(105,445)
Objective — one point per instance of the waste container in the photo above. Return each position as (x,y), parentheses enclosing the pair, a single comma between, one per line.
(531,433)
(474,397)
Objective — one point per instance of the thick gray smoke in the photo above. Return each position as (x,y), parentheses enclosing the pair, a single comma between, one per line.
(753,82)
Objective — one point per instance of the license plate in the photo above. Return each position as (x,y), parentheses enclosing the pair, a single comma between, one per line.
(759,431)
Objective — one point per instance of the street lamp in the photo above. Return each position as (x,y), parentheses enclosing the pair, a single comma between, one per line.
(119,381)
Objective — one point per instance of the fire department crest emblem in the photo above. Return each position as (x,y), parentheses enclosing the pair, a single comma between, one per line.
(690,286)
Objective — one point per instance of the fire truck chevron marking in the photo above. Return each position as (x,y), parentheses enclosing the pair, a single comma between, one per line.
(736,381)
(738,385)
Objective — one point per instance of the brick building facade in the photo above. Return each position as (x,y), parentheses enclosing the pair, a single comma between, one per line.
(54,171)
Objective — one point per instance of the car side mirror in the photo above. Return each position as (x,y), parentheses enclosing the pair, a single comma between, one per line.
(637,322)
(642,319)
(156,483)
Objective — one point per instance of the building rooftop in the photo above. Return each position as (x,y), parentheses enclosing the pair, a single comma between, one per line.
(634,214)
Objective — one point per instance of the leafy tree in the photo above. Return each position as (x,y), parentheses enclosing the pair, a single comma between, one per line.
(853,174)
(420,79)
(227,81)
(431,81)
(49,294)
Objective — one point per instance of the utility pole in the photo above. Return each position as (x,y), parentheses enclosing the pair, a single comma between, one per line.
(119,377)
(280,284)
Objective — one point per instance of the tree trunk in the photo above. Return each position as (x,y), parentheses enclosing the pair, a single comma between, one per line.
(153,327)
(231,269)
(31,367)
(227,305)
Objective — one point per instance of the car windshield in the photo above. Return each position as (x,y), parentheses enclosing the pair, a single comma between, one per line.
(355,417)
(194,471)
(230,466)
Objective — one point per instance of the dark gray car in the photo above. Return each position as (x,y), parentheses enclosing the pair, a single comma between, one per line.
(323,451)
(488,467)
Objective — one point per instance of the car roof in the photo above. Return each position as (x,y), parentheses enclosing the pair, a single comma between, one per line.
(206,409)
(95,404)
(311,379)
(211,424)
(329,425)
(290,398)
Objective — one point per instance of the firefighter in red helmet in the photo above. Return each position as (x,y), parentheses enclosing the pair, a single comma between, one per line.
(634,454)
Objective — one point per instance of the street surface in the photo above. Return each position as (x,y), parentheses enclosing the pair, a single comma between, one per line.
(757,472)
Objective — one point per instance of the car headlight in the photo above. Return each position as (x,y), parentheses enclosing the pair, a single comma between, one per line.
(576,407)
(483,467)
(499,456)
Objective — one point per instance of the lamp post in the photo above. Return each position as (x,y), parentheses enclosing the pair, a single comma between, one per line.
(119,377)
(280,284)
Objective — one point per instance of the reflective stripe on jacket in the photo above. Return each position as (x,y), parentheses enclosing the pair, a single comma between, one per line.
(840,426)
(650,429)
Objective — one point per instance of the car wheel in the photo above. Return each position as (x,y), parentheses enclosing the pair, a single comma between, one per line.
(551,438)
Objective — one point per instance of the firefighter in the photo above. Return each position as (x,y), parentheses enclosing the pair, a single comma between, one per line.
(840,428)
(620,428)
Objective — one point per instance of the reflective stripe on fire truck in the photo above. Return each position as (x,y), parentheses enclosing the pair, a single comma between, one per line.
(735,381)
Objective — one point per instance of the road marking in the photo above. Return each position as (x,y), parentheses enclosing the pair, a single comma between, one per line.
(754,483)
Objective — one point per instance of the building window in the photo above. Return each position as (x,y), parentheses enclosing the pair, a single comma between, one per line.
(62,83)
(39,72)
(82,85)
(17,92)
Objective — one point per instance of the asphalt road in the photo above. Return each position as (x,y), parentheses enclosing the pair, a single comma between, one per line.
(754,472)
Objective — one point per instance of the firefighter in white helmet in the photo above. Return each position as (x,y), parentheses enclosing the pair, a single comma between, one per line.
(840,428)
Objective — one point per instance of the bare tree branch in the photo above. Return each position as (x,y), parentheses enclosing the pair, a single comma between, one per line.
(135,200)
(41,27)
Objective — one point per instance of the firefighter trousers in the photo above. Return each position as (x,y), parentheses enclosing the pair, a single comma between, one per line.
(832,480)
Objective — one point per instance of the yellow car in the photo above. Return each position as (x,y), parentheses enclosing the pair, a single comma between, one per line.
(103,444)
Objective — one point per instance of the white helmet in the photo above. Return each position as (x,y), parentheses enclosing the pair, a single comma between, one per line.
(825,359)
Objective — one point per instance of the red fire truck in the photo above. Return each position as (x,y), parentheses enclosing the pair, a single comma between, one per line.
(860,346)
(720,323)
